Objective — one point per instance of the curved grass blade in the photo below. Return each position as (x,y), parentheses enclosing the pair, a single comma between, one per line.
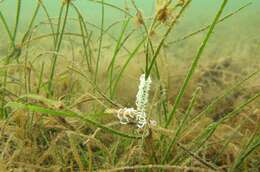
(52,112)
(7,29)
(226,93)
(126,64)
(100,41)
(252,145)
(57,47)
(119,44)
(194,64)
(211,128)
(18,9)
(31,22)
(45,100)
(112,6)
(83,29)
(49,20)
(165,36)
(206,27)
(180,127)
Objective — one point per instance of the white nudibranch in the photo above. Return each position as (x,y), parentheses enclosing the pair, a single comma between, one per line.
(143,93)
(138,115)
(125,115)
(142,100)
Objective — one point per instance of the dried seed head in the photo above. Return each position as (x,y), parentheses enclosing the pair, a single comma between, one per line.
(152,34)
(66,1)
(163,14)
(164,10)
(59,105)
(138,19)
(181,2)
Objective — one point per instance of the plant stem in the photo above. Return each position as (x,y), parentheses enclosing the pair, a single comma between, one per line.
(194,65)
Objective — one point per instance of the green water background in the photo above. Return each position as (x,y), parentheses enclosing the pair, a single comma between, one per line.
(238,31)
(199,12)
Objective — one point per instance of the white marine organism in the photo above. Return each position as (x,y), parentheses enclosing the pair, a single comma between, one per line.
(142,100)
(125,115)
(138,115)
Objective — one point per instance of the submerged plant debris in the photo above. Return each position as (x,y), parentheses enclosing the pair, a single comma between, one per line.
(83,91)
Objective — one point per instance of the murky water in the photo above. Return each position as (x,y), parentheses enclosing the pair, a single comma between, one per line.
(242,28)
(199,12)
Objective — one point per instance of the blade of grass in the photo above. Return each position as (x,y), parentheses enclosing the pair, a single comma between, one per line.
(148,45)
(155,167)
(40,79)
(57,47)
(207,26)
(12,37)
(52,112)
(17,19)
(83,29)
(44,100)
(117,79)
(119,44)
(15,51)
(211,128)
(31,22)
(77,34)
(180,127)
(49,19)
(96,88)
(226,144)
(165,36)
(100,41)
(75,153)
(252,145)
(7,29)
(194,64)
(226,93)
(112,6)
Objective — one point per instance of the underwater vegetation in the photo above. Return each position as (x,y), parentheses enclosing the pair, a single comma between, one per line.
(135,93)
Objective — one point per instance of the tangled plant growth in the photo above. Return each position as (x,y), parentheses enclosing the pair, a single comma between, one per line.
(65,95)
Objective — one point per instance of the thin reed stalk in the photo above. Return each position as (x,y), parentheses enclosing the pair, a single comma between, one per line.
(189,75)
(194,65)
(57,46)
(100,41)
